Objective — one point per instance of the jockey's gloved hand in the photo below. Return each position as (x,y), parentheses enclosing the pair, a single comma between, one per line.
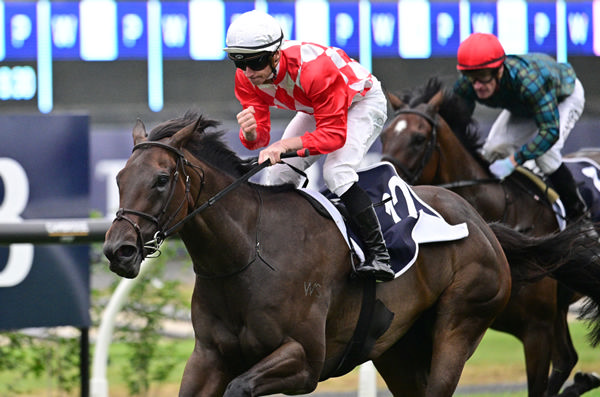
(502,168)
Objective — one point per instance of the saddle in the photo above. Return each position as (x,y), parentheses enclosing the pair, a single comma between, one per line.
(536,187)
(547,190)
(586,173)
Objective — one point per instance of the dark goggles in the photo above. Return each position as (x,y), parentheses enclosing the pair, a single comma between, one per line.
(481,77)
(254,62)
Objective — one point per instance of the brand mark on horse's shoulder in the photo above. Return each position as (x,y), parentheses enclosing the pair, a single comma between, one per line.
(312,288)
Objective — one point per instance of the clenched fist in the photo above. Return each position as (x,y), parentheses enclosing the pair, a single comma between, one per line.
(247,123)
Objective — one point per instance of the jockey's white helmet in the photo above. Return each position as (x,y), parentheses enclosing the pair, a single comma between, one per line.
(253,32)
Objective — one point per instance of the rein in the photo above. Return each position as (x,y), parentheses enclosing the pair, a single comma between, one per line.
(211,201)
(257,167)
(412,177)
(468,183)
(431,146)
(160,235)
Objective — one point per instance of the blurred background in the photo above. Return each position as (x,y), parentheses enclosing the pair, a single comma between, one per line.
(119,60)
(75,76)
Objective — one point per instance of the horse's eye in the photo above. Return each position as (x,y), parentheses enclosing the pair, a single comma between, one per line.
(162,181)
(418,139)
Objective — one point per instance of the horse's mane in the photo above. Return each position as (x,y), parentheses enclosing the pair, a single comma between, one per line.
(209,146)
(453,110)
(206,145)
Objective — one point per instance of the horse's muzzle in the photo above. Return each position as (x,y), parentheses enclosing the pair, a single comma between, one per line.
(124,259)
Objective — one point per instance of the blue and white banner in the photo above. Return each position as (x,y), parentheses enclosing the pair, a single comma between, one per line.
(44,173)
(107,30)
(194,30)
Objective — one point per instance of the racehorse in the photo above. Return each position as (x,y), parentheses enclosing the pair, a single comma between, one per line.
(432,140)
(274,305)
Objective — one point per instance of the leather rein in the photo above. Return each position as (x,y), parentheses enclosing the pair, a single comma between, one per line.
(164,230)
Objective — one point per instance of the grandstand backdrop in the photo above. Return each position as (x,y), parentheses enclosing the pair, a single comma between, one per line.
(117,60)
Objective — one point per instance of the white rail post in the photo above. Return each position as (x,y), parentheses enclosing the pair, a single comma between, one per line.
(367,380)
(99,382)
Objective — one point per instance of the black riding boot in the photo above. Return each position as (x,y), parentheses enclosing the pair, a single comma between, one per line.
(362,214)
(564,184)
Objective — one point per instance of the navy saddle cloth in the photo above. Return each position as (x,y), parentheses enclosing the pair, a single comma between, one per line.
(406,220)
(586,173)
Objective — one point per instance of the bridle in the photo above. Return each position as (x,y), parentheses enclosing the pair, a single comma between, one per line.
(163,228)
(413,176)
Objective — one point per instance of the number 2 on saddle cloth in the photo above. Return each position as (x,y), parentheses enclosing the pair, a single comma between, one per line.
(406,221)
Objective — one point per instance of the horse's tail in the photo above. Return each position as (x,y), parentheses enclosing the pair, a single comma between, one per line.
(571,256)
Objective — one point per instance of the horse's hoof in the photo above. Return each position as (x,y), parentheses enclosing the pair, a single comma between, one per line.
(589,380)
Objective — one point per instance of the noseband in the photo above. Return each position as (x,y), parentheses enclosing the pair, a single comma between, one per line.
(162,230)
(412,177)
(160,235)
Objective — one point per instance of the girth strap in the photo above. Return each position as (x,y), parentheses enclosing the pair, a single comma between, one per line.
(374,319)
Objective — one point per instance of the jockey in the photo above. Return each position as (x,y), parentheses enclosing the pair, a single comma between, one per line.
(340,111)
(541,101)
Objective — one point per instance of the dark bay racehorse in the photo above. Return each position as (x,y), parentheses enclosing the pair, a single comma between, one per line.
(432,140)
(274,305)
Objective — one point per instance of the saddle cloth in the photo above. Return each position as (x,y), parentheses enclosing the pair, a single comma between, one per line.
(586,173)
(406,220)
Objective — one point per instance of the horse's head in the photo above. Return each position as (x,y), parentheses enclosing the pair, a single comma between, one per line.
(409,140)
(154,194)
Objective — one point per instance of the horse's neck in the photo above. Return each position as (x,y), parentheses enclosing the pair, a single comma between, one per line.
(456,162)
(222,237)
(504,202)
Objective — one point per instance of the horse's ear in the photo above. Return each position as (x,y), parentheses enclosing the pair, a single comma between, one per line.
(183,135)
(139,132)
(395,101)
(436,101)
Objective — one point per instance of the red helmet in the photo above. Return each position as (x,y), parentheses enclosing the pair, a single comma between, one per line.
(480,51)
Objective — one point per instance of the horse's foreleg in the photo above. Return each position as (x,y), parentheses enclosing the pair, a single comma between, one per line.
(284,370)
(537,344)
(405,365)
(451,349)
(564,354)
(203,375)
(531,316)
(455,337)
(465,311)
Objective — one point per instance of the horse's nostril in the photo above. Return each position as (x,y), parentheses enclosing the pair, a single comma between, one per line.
(126,251)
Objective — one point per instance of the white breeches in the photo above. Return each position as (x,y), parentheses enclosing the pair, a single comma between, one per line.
(366,117)
(510,132)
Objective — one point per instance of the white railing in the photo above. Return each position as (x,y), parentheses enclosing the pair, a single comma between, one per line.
(81,231)
(99,381)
